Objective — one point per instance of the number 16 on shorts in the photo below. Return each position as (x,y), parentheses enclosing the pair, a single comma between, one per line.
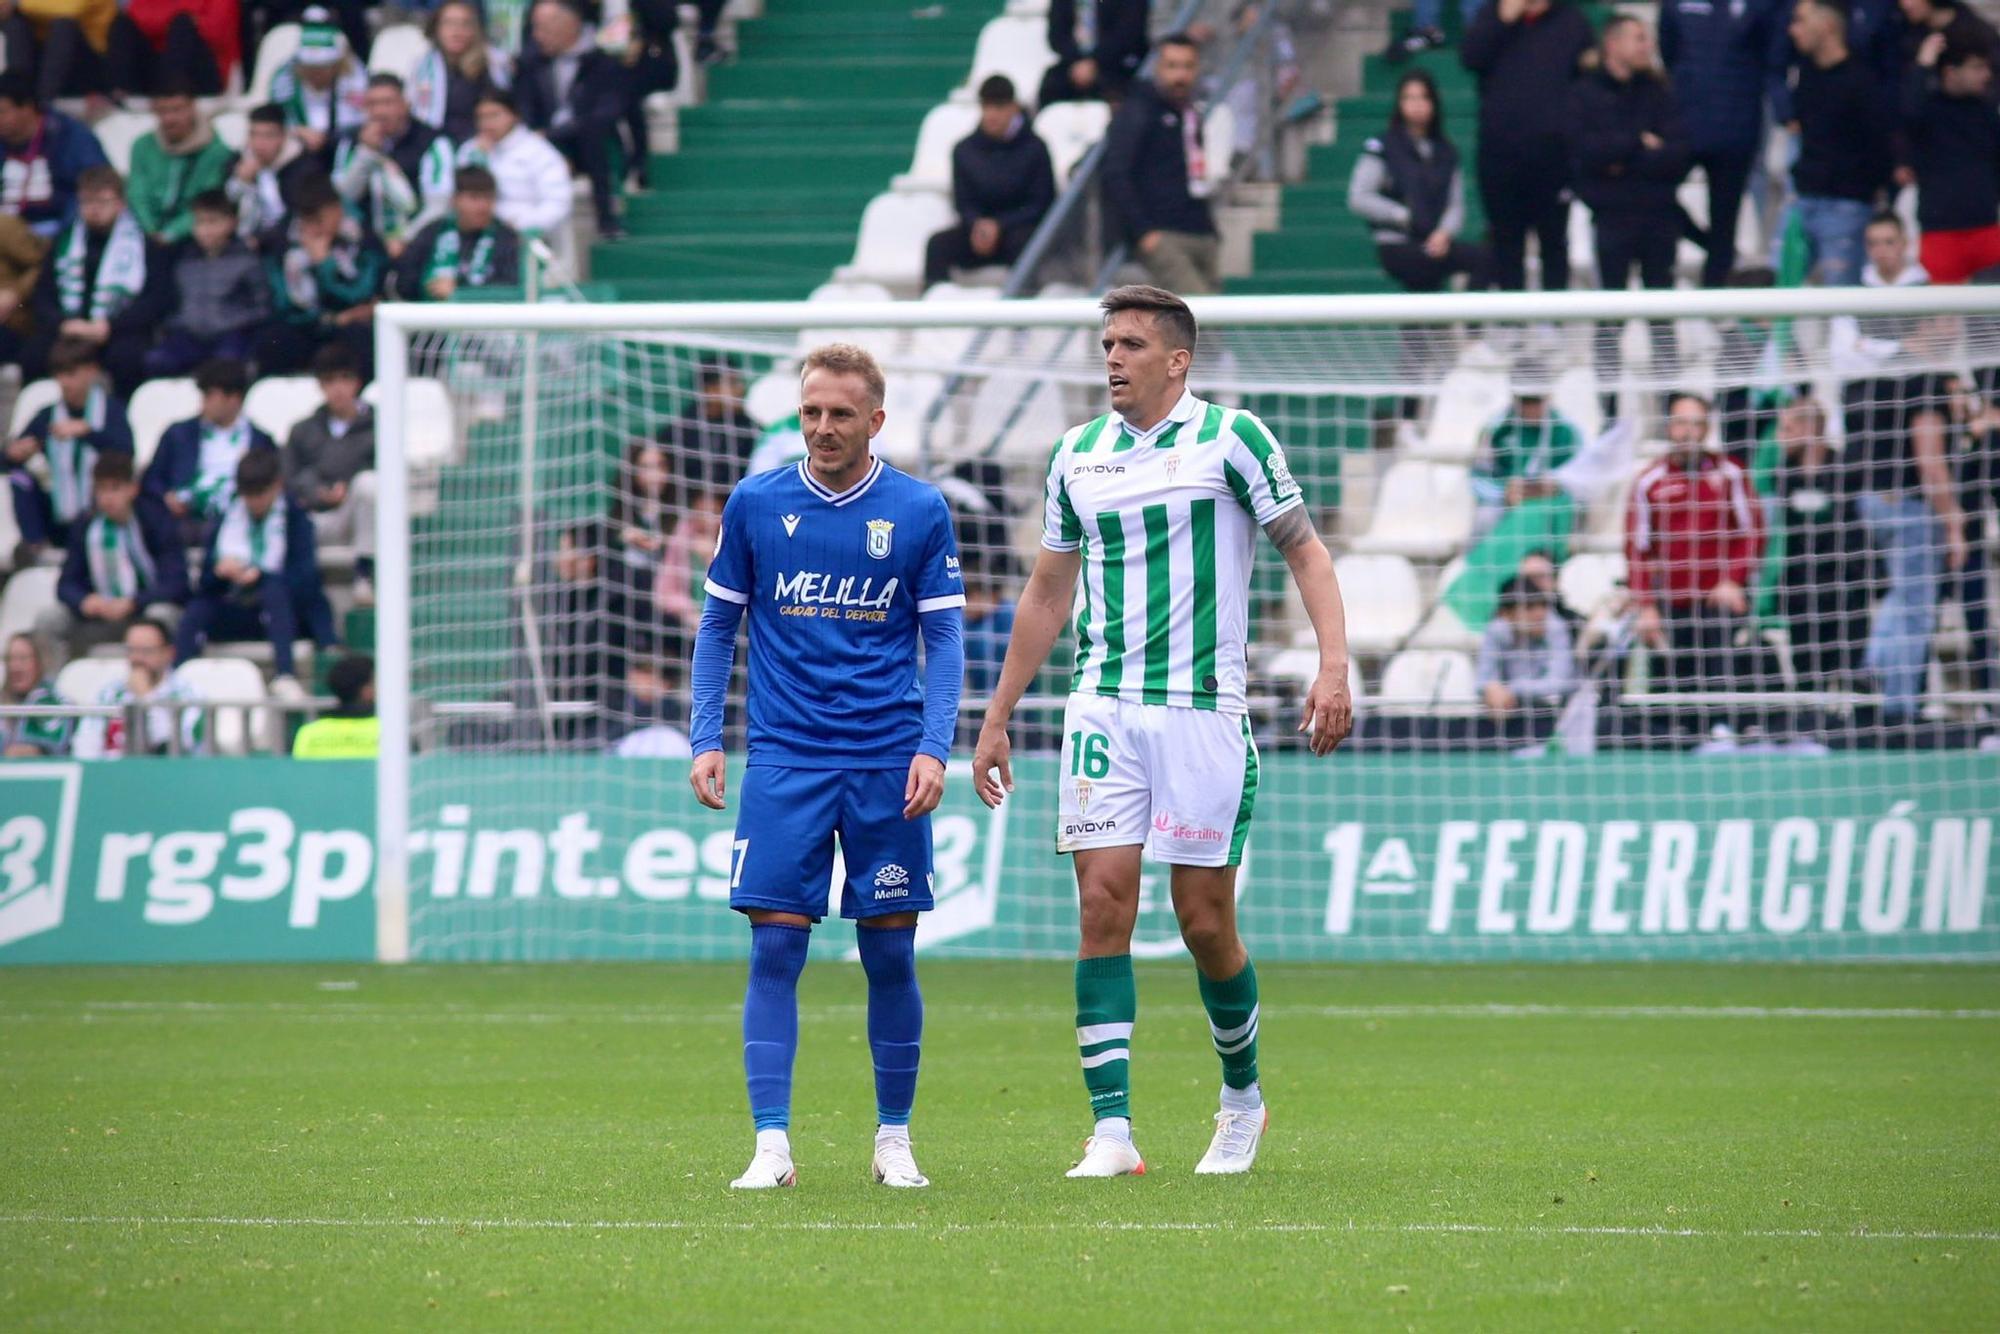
(1182,779)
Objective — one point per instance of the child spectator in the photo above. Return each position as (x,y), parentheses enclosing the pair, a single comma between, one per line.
(459,68)
(1527,667)
(322,88)
(151,681)
(330,464)
(105,282)
(469,248)
(83,425)
(173,164)
(264,175)
(24,682)
(324,277)
(125,561)
(193,473)
(531,176)
(260,578)
(43,155)
(221,295)
(395,171)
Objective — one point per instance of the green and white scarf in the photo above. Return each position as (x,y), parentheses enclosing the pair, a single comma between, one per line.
(450,259)
(222,448)
(253,541)
(120,565)
(71,460)
(46,732)
(120,273)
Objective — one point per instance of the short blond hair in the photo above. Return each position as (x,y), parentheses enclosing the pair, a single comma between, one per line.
(847,359)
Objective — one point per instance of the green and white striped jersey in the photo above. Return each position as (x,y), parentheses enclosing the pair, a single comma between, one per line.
(1167,522)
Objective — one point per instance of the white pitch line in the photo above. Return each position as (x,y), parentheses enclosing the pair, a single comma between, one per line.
(366,1012)
(995,1225)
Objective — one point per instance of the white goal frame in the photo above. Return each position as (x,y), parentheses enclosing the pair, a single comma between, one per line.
(396,324)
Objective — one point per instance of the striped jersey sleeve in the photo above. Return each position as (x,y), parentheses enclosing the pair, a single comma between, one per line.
(1256,469)
(1061,529)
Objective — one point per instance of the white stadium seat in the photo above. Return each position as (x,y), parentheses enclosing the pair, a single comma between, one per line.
(1587,579)
(34,396)
(82,680)
(1575,397)
(1443,629)
(156,405)
(911,396)
(1017,48)
(1422,510)
(397,50)
(277,403)
(239,682)
(279,45)
(232,127)
(894,231)
(117,132)
(430,431)
(28,593)
(1069,129)
(1383,601)
(1428,680)
(851,292)
(774,396)
(1468,399)
(944,125)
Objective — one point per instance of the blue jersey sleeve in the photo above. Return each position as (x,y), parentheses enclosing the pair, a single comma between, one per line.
(732,574)
(939,581)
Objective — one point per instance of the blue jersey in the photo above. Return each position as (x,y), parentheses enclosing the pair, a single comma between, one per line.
(834,584)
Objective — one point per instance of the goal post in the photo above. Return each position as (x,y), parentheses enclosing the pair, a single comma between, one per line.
(1820,788)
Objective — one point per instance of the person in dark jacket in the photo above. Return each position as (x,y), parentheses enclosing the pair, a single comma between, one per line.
(221,294)
(1842,116)
(43,154)
(1155,174)
(1823,587)
(1526,54)
(575,94)
(1630,155)
(468,248)
(326,272)
(330,464)
(105,280)
(1957,24)
(84,424)
(1727,62)
(1099,46)
(193,472)
(394,171)
(260,577)
(1409,188)
(1952,134)
(1001,183)
(125,563)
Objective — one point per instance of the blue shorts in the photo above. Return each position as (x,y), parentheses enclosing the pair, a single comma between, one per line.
(784,843)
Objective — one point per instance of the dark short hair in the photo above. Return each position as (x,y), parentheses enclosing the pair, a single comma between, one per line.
(1179,37)
(1675,396)
(1832,8)
(1754,275)
(258,471)
(213,201)
(103,176)
(998,90)
(155,624)
(499,97)
(71,354)
(1959,53)
(1885,218)
(18,88)
(314,194)
(335,359)
(384,79)
(116,468)
(348,677)
(1170,314)
(222,375)
(475,181)
(1615,22)
(1518,593)
(176,84)
(268,114)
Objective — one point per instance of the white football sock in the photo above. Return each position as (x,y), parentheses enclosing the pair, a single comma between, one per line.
(883,1133)
(775,1141)
(1115,1127)
(1242,1100)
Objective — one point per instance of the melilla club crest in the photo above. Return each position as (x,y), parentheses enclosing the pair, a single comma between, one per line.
(880,531)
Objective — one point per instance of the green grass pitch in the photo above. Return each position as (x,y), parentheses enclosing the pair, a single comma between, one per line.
(1507,1148)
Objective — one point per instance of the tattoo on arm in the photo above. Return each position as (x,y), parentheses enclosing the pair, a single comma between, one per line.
(1291,529)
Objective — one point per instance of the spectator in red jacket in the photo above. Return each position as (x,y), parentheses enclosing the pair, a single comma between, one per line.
(1693,538)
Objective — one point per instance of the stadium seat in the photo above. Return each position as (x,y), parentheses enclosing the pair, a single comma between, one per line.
(1429,680)
(839,291)
(237,681)
(1017,48)
(1575,397)
(1443,629)
(1588,578)
(1383,601)
(34,396)
(277,403)
(117,132)
(430,432)
(944,125)
(82,680)
(1026,412)
(232,127)
(28,593)
(774,396)
(1069,129)
(156,405)
(10,537)
(1299,667)
(278,46)
(397,50)
(894,231)
(911,398)
(1468,399)
(1422,510)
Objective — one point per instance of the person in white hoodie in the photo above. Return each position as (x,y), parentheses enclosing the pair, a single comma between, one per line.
(532,174)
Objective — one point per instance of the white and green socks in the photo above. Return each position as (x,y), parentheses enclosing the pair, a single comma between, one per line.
(1107,1003)
(1232,1022)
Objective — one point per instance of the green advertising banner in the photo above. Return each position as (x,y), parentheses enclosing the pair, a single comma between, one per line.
(1369,857)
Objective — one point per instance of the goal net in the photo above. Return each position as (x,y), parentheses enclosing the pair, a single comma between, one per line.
(1670,619)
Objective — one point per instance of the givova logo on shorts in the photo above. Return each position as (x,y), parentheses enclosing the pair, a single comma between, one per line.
(36,839)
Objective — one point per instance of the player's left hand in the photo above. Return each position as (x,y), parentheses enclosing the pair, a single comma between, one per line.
(925,789)
(1329,712)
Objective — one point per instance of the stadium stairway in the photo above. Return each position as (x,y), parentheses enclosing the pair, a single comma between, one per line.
(818,112)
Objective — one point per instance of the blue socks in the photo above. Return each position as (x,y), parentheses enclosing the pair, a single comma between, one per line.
(771,1020)
(895,1018)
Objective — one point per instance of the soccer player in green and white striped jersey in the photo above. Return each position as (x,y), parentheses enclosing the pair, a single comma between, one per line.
(1156,506)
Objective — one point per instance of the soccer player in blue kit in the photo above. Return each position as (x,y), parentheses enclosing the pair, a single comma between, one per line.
(841,562)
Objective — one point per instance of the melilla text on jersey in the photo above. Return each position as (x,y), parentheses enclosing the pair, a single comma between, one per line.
(847,597)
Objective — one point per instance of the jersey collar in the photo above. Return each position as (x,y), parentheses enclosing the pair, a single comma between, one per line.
(837,498)
(1181,414)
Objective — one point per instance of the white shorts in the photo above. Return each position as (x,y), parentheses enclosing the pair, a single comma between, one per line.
(1183,780)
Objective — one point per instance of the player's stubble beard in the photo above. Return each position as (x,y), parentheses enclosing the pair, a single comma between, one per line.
(835,460)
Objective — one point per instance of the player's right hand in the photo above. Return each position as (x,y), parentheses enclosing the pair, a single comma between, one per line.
(989,756)
(707,778)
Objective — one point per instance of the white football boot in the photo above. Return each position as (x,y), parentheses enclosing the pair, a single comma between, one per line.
(1234,1147)
(1106,1156)
(769,1169)
(895,1165)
